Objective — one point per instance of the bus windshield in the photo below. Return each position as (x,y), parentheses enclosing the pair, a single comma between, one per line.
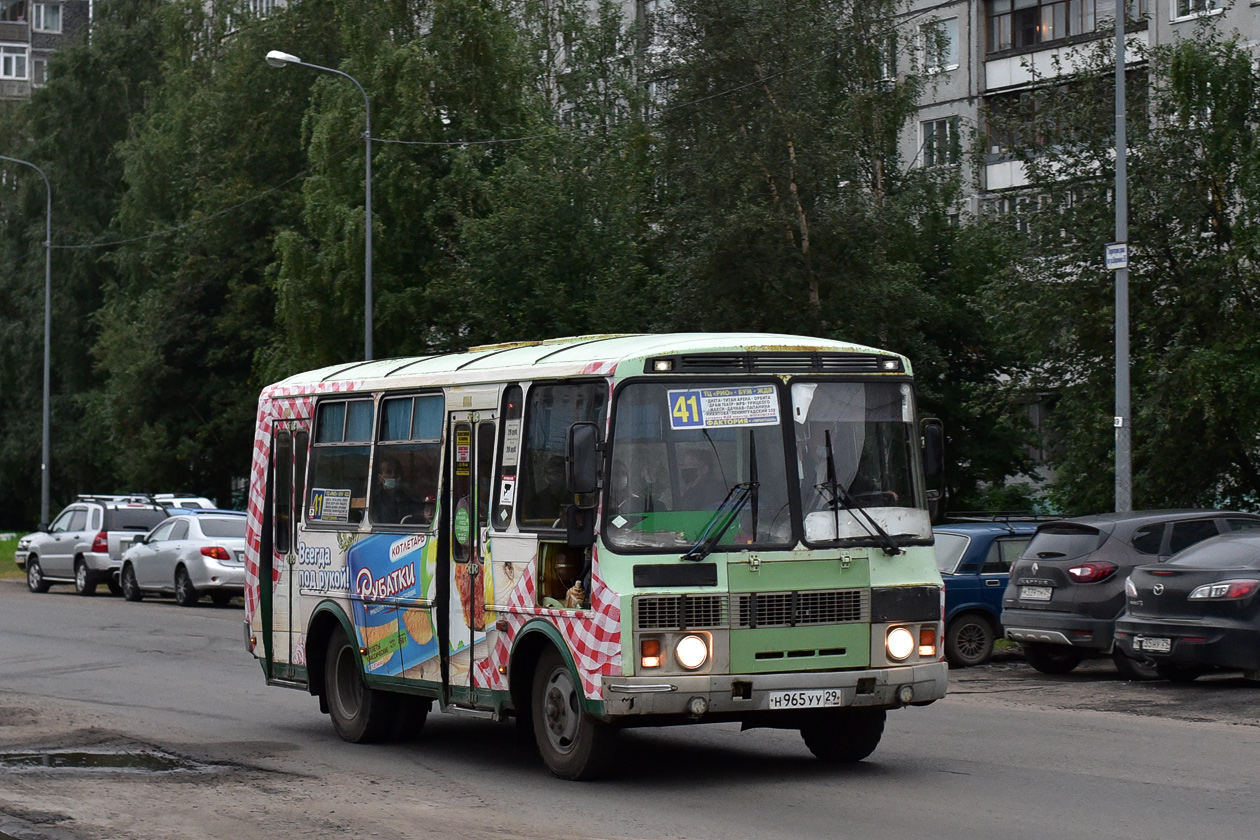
(854,444)
(680,449)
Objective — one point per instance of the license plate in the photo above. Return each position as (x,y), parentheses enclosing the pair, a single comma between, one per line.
(814,699)
(1155,645)
(1035,593)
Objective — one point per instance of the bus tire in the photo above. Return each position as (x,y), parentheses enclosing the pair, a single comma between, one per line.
(846,736)
(360,715)
(573,745)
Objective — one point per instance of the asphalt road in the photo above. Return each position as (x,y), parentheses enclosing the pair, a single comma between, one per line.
(1010,754)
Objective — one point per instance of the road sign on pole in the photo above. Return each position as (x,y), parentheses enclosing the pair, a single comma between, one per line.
(1117,254)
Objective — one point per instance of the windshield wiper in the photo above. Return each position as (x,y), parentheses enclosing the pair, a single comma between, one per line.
(726,513)
(840,496)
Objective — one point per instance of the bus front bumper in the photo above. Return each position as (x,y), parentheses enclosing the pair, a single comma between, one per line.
(733,695)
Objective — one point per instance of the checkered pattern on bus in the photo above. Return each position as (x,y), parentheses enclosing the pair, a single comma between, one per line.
(593,635)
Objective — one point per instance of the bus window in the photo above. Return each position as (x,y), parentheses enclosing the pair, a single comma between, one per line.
(485,468)
(282,521)
(339,462)
(408,452)
(549,412)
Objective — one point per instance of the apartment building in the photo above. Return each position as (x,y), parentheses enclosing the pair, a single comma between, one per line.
(981,54)
(30,32)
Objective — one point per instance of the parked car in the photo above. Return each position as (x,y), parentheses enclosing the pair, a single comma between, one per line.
(1200,611)
(1067,590)
(975,558)
(183,500)
(84,544)
(194,553)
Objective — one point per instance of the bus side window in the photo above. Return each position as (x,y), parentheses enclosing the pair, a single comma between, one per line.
(337,493)
(282,521)
(549,412)
(409,448)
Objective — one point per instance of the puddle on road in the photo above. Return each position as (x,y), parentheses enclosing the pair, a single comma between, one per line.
(146,761)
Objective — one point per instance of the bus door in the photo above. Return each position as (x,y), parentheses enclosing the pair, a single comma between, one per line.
(471,462)
(279,598)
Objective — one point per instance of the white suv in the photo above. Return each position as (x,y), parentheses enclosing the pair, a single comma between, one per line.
(85,543)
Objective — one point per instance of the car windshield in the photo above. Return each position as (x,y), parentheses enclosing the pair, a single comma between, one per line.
(949,550)
(1064,541)
(132,519)
(680,449)
(226,527)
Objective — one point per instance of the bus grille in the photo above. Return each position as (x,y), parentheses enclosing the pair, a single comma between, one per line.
(796,609)
(679,612)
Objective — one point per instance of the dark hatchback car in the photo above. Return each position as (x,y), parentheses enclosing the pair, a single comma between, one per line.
(1067,590)
(974,558)
(1198,612)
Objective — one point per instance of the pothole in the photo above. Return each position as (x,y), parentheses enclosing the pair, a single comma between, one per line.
(99,760)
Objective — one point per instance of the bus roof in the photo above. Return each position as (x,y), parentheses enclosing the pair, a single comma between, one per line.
(590,354)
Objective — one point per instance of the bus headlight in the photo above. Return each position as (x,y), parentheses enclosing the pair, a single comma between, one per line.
(900,643)
(691,652)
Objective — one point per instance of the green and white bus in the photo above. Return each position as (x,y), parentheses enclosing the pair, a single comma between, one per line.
(598,532)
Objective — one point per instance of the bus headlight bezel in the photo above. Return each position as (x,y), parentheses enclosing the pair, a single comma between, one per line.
(691,652)
(900,643)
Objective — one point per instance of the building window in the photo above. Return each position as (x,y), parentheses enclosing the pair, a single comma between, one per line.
(263,8)
(940,45)
(46,17)
(1193,8)
(888,58)
(1016,24)
(39,72)
(12,62)
(13,10)
(941,145)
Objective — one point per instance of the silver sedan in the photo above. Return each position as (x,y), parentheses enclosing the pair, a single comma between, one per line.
(195,553)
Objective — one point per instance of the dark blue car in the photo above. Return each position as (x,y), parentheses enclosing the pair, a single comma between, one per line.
(975,558)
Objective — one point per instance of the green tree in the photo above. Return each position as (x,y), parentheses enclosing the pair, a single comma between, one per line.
(1194,245)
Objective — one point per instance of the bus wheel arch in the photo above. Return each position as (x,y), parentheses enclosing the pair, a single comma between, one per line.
(325,619)
(573,744)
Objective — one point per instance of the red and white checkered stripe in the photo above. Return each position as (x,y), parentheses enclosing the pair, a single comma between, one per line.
(593,636)
(276,403)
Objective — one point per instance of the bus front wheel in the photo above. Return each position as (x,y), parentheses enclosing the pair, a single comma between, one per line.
(573,745)
(360,715)
(846,736)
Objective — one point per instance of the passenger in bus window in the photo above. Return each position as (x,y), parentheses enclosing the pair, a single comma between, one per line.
(699,484)
(393,501)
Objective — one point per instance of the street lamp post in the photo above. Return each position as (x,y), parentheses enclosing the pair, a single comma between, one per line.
(276,58)
(45,457)
(1124,432)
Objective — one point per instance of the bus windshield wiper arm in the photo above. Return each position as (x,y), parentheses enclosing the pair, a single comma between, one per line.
(721,520)
(840,496)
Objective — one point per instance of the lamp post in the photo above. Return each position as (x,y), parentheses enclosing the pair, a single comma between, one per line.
(276,58)
(1124,433)
(44,491)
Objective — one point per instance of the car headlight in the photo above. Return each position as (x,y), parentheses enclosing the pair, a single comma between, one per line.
(900,644)
(23,544)
(691,652)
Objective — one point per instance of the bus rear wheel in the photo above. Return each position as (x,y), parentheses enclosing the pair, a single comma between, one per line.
(845,736)
(572,744)
(360,715)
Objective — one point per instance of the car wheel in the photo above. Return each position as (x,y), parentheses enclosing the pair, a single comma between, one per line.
(221,599)
(130,586)
(1052,659)
(1183,674)
(360,715)
(968,640)
(115,588)
(1133,669)
(84,579)
(846,736)
(35,576)
(573,745)
(186,595)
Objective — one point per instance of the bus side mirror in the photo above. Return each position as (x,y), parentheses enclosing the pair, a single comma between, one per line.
(581,459)
(934,465)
